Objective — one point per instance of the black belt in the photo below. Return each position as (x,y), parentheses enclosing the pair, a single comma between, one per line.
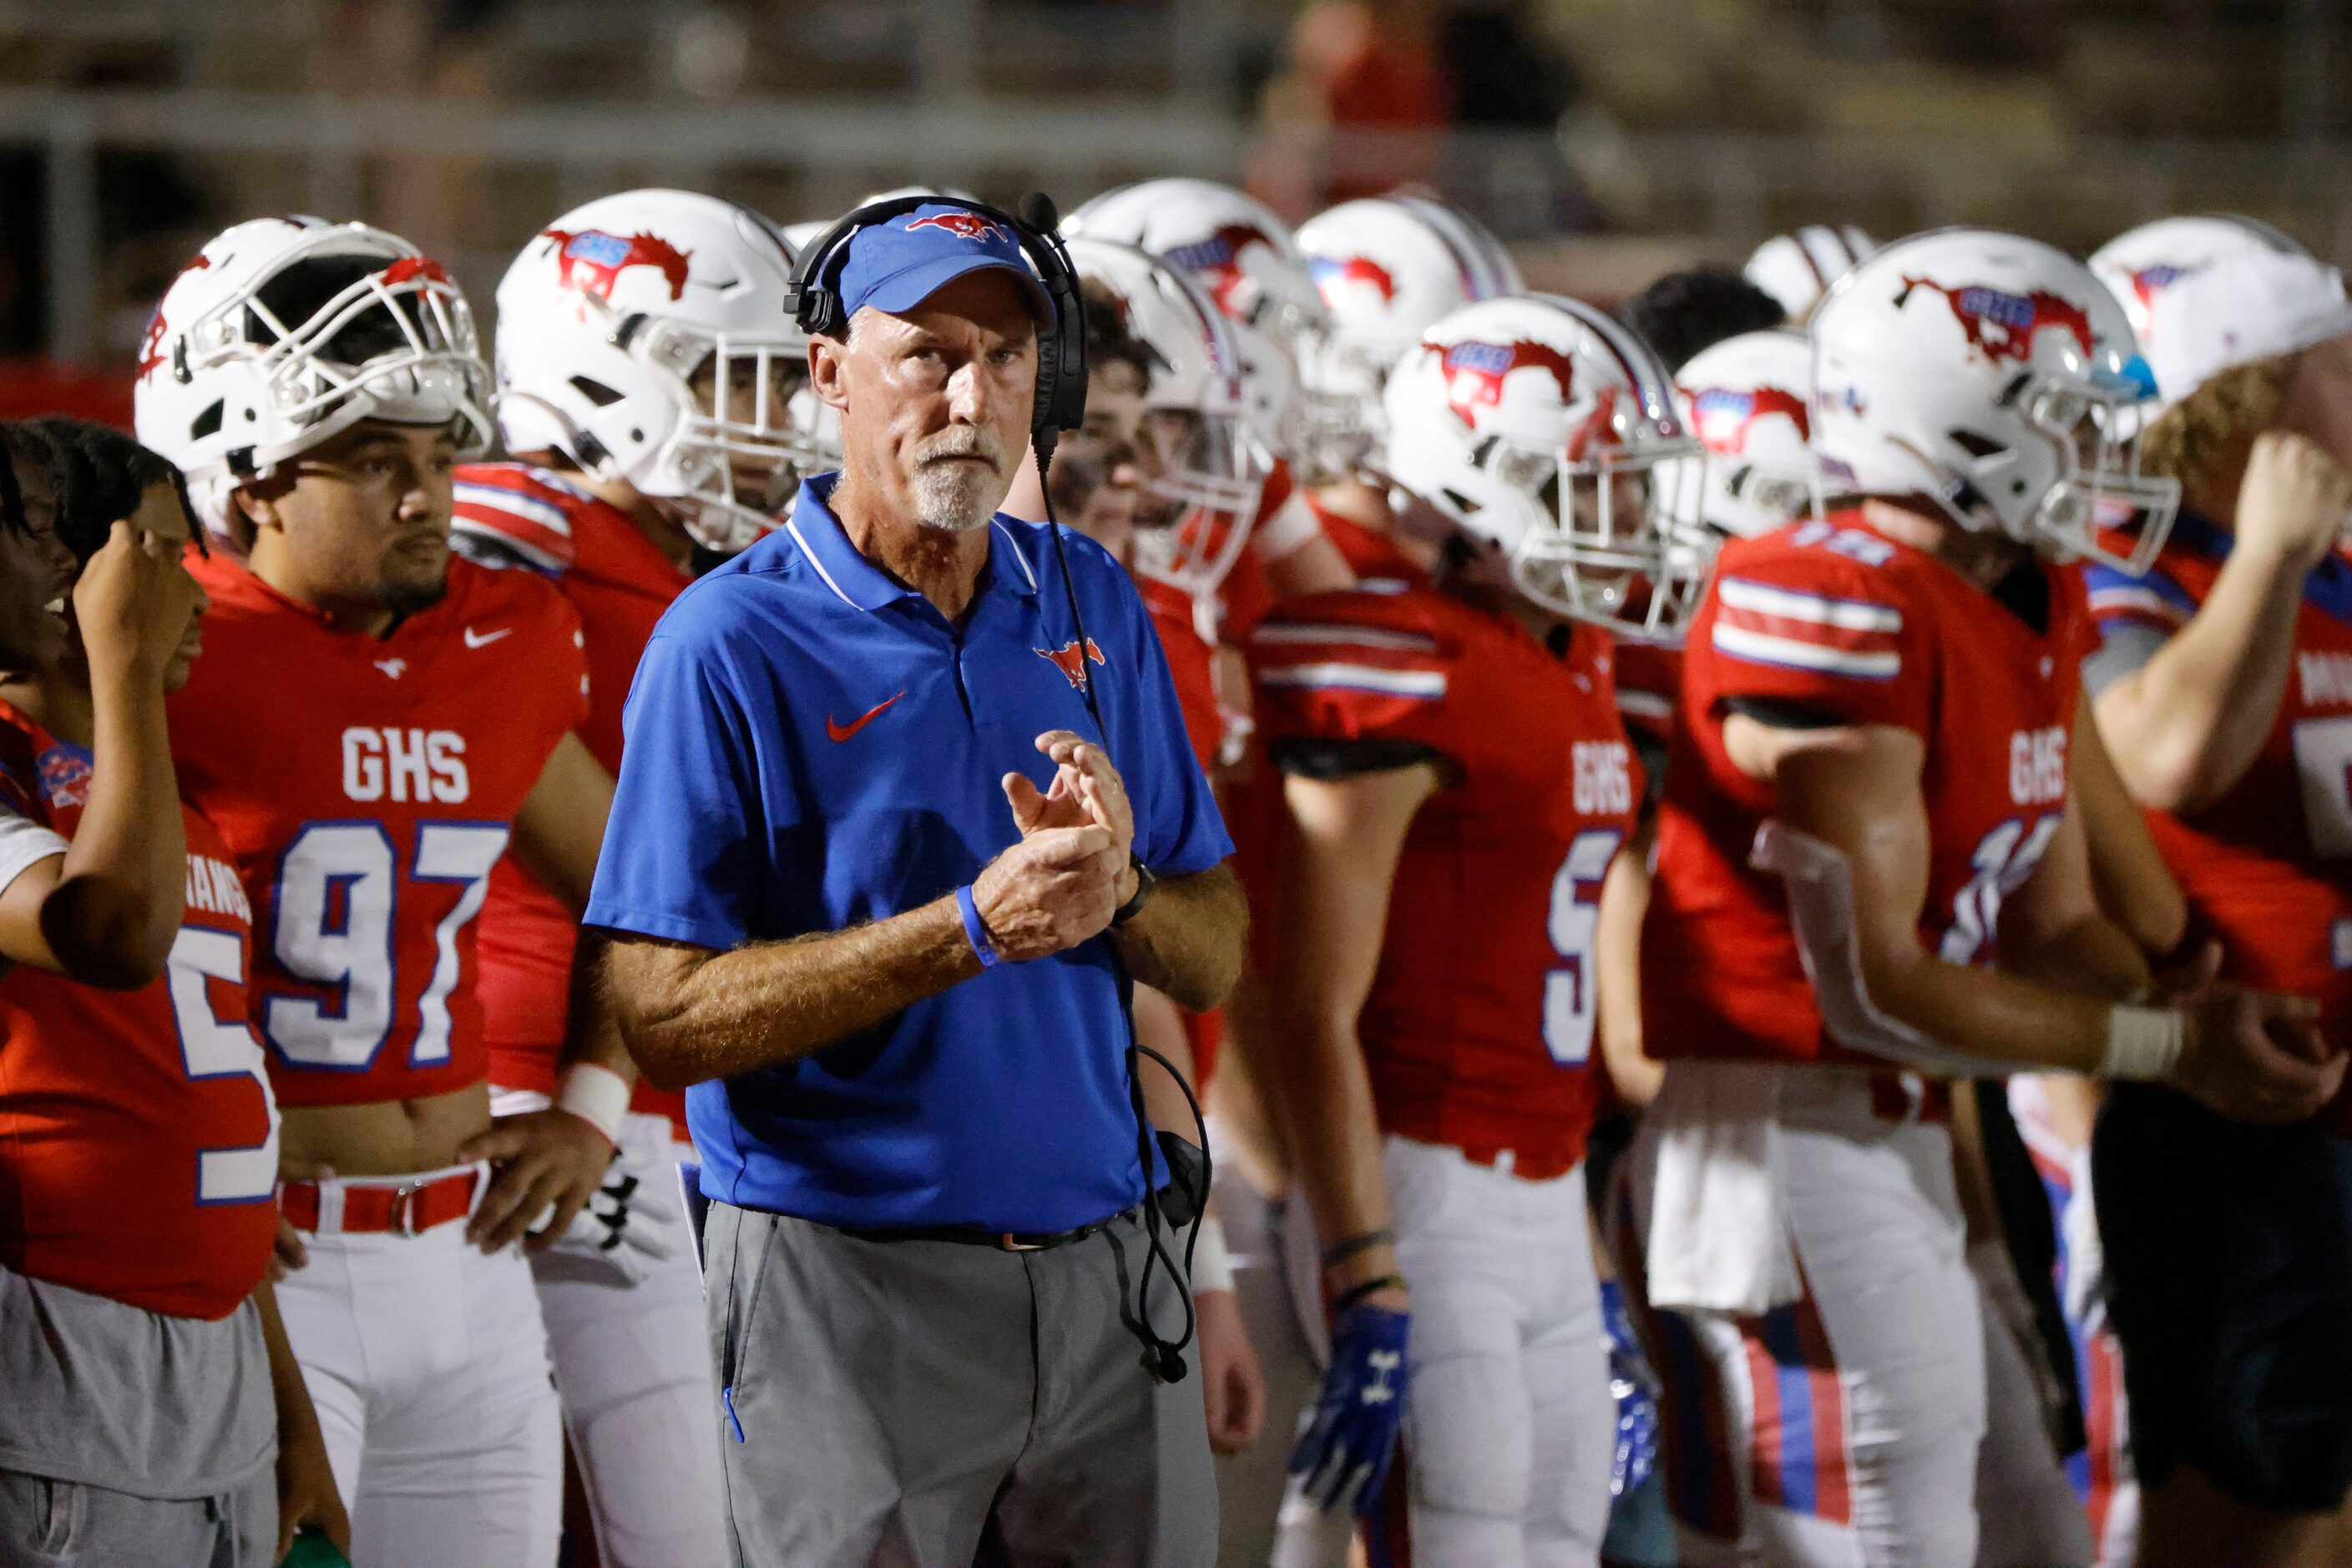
(1001,1240)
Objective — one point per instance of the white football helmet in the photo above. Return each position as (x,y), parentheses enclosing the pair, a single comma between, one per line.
(1245,259)
(1542,427)
(2139,264)
(1748,401)
(1995,375)
(1387,267)
(1798,268)
(285,332)
(607,319)
(1213,468)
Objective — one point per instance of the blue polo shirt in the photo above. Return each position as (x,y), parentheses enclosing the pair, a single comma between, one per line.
(811,745)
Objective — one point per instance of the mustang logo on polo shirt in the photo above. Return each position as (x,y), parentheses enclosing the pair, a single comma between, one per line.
(1065,660)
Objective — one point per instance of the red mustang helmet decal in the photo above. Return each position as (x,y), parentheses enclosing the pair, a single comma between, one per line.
(151,347)
(1725,416)
(2000,325)
(593,260)
(1216,262)
(1331,275)
(1475,373)
(2149,282)
(409,266)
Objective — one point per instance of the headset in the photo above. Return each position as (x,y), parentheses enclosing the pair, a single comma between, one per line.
(814,301)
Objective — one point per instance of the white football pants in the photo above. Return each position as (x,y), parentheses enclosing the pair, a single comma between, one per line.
(428,1362)
(632,1357)
(1509,1426)
(1842,1430)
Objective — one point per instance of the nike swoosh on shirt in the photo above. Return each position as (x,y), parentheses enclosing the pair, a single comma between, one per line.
(843,732)
(484,639)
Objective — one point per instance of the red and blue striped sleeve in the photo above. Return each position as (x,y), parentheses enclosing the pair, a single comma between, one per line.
(2154,600)
(1349,667)
(520,510)
(1814,629)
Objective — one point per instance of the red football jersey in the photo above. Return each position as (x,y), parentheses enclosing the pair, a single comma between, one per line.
(620,584)
(1245,596)
(1371,555)
(1649,684)
(1845,623)
(138,1137)
(2268,867)
(367,786)
(1192,664)
(1479,1027)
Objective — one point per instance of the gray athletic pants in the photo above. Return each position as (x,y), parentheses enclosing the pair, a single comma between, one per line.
(45,1523)
(932,1405)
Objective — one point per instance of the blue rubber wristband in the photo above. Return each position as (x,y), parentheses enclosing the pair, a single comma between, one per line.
(973,932)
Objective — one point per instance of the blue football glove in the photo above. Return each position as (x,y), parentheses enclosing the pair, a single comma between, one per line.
(1637,1389)
(1345,1451)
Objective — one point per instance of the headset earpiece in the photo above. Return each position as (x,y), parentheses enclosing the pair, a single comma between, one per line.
(815,299)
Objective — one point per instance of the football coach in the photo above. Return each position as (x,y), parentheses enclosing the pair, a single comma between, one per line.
(873,876)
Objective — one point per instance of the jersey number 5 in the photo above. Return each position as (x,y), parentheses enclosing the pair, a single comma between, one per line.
(338,888)
(211,1047)
(1575,911)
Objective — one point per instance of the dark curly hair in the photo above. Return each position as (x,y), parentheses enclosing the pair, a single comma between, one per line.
(1685,313)
(1108,339)
(97,474)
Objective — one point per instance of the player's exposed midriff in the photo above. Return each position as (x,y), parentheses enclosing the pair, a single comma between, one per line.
(387,1138)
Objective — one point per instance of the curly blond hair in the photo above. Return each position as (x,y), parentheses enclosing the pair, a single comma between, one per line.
(2188,441)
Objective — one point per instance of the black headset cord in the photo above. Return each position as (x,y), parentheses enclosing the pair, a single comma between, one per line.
(1164,1358)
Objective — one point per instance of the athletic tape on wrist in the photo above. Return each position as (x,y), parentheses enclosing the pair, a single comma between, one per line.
(973,932)
(597,1095)
(2142,1042)
(1213,1266)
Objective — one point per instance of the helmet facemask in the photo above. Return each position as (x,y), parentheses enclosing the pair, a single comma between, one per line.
(741,448)
(1746,495)
(1324,431)
(1615,537)
(1211,477)
(396,342)
(1337,425)
(2099,431)
(2079,456)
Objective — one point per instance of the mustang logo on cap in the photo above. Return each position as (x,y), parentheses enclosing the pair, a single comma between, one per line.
(964,225)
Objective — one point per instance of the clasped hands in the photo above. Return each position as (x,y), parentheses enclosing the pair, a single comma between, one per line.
(1073,868)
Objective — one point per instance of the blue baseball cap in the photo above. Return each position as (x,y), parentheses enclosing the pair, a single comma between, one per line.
(897,265)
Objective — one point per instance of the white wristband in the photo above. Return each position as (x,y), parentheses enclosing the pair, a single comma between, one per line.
(597,1095)
(2143,1042)
(1213,1266)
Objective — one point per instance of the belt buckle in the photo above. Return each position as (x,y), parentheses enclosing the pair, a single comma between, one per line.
(404,1209)
(1008,1242)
